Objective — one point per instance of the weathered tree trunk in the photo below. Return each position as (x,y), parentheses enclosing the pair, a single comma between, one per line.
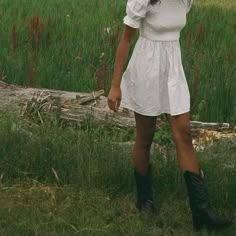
(74,106)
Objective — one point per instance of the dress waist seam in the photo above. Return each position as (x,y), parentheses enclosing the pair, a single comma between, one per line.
(157,40)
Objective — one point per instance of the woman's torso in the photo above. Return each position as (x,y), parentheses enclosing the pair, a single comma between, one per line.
(164,20)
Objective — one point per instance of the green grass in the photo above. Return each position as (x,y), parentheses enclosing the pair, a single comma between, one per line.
(63,181)
(41,209)
(74,36)
(67,181)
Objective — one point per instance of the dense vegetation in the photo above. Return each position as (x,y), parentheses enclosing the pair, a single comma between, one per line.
(68,181)
(71,45)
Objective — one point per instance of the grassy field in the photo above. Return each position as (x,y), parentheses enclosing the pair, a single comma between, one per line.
(58,181)
(71,45)
(68,181)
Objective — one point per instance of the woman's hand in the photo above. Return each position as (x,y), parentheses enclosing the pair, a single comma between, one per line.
(114,98)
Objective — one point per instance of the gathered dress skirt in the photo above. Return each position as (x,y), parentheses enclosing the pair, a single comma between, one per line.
(154,81)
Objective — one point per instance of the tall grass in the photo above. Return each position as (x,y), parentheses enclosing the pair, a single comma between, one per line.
(71,45)
(58,181)
(209,54)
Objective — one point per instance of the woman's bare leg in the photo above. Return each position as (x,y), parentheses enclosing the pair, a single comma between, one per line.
(145,129)
(180,129)
(202,215)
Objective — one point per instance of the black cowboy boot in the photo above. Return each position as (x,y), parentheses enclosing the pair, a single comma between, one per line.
(198,199)
(144,192)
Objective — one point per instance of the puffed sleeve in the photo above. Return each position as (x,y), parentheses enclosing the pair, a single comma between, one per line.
(135,11)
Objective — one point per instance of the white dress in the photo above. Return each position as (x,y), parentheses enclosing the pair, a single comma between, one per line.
(154,81)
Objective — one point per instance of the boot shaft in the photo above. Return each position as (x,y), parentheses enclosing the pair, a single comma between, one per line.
(144,187)
(197,190)
(198,198)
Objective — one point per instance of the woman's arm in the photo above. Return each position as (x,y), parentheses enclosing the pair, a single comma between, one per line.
(121,54)
(114,96)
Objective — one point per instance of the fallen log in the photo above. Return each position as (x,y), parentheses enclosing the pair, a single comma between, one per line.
(22,94)
(75,106)
(197,125)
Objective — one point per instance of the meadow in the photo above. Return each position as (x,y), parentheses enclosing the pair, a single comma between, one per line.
(62,181)
(66,181)
(71,45)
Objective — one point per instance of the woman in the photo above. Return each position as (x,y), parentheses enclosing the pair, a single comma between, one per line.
(154,83)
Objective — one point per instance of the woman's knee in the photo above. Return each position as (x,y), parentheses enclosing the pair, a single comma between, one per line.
(144,139)
(182,135)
